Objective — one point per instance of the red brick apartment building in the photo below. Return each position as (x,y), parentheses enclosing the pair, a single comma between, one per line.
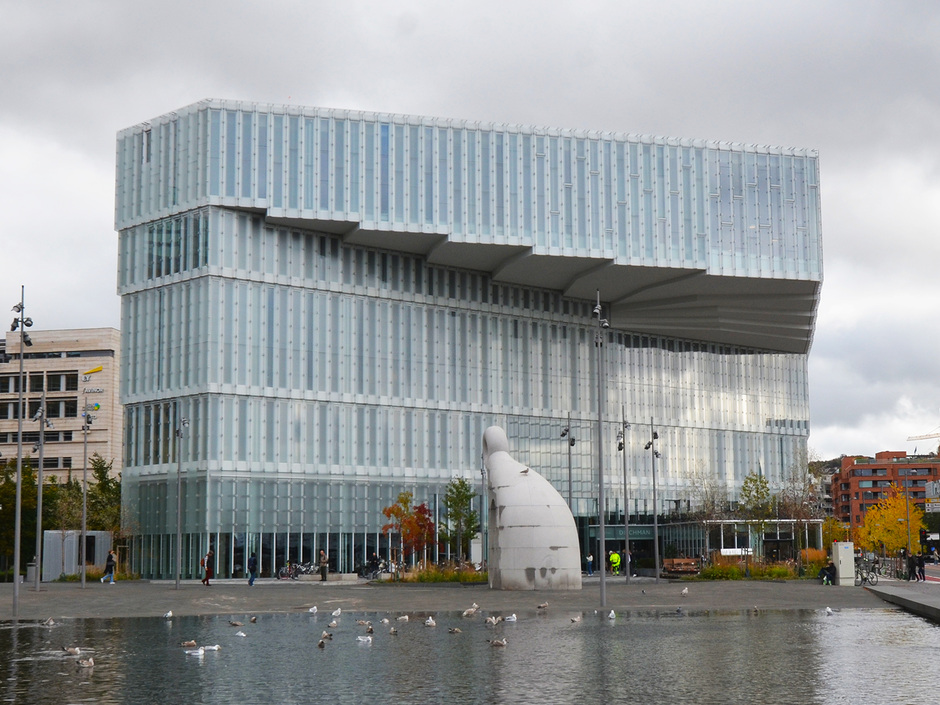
(863,482)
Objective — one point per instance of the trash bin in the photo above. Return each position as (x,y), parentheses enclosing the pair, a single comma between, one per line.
(30,573)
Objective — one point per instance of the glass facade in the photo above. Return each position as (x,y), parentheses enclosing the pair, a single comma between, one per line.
(286,287)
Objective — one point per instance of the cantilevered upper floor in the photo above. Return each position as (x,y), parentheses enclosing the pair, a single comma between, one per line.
(685,238)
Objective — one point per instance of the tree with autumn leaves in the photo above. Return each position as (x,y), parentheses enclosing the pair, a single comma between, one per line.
(894,523)
(413,524)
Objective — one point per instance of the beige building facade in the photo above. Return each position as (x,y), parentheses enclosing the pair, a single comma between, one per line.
(65,372)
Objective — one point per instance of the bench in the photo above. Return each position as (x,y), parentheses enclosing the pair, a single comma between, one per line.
(680,566)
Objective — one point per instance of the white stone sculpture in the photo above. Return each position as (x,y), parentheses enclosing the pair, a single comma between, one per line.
(533,542)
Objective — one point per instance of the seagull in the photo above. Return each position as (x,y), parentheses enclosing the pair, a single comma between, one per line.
(86,662)
(240,633)
(576,619)
(313,610)
(74,650)
(168,615)
(384,620)
(469,612)
(543,606)
(214,647)
(321,644)
(491,620)
(403,618)
(828,611)
(236,624)
(188,644)
(429,622)
(455,630)
(364,639)
(325,635)
(511,618)
(685,592)
(337,612)
(612,615)
(332,625)
(393,631)
(498,642)
(196,652)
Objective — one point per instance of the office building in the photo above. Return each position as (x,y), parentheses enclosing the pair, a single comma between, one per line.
(340,302)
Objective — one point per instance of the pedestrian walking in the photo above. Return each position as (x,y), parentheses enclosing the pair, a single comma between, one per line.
(209,570)
(252,569)
(324,565)
(590,564)
(109,567)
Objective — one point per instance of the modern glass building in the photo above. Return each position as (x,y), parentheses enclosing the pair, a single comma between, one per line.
(339,303)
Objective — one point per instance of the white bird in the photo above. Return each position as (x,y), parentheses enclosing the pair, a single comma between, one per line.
(612,615)
(576,619)
(240,633)
(384,620)
(469,612)
(403,618)
(168,615)
(685,592)
(828,611)
(491,620)
(429,622)
(364,639)
(74,650)
(86,662)
(511,618)
(214,647)
(332,625)
(393,631)
(337,612)
(498,642)
(313,610)
(196,652)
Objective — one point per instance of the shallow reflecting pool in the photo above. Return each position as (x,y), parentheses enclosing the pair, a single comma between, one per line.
(851,656)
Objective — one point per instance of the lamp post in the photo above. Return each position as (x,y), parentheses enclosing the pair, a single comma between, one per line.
(43,424)
(653,455)
(567,433)
(183,423)
(21,322)
(87,418)
(484,501)
(602,323)
(622,447)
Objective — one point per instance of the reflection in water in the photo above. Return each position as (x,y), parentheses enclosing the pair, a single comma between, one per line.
(741,657)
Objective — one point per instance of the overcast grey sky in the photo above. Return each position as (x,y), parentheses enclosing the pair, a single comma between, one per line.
(856,80)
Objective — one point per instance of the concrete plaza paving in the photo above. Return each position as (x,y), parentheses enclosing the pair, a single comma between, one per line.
(153,598)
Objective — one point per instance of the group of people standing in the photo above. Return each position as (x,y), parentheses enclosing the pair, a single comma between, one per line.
(614,562)
(915,567)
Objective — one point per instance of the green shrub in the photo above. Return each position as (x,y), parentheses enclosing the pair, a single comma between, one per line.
(721,571)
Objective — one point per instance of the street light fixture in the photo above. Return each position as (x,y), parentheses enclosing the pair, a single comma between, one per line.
(21,322)
(653,455)
(621,446)
(567,433)
(183,423)
(602,323)
(87,418)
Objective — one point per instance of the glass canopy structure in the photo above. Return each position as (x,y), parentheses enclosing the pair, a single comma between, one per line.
(340,302)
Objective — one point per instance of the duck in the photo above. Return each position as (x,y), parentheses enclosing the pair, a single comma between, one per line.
(393,631)
(369,629)
(49,622)
(235,623)
(455,630)
(543,606)
(325,635)
(491,620)
(253,620)
(576,619)
(363,622)
(188,644)
(86,662)
(498,642)
(73,650)
(321,644)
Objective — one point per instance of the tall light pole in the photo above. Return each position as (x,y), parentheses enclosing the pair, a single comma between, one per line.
(599,345)
(183,423)
(569,434)
(21,322)
(87,418)
(43,424)
(653,455)
(622,447)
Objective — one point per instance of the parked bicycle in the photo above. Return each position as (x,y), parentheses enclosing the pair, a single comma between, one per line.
(865,573)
